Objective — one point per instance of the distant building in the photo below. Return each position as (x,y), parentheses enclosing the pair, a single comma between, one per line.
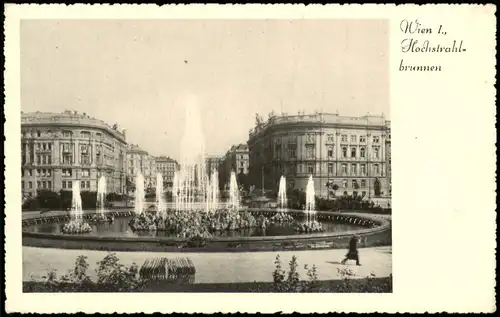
(350,152)
(166,166)
(237,160)
(140,160)
(58,149)
(388,156)
(212,163)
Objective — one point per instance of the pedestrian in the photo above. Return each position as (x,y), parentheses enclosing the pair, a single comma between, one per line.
(353,253)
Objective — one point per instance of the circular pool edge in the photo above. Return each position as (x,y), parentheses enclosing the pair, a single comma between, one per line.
(214,244)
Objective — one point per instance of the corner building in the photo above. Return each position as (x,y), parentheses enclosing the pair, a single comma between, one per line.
(347,151)
(58,149)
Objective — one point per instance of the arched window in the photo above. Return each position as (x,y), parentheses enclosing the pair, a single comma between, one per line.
(362,152)
(344,151)
(353,152)
(375,152)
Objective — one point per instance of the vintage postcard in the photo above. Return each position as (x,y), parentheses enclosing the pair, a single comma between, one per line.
(224,158)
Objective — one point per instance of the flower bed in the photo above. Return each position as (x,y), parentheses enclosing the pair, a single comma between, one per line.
(282,217)
(197,223)
(76,227)
(309,227)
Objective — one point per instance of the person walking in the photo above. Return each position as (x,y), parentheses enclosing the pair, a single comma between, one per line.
(353,253)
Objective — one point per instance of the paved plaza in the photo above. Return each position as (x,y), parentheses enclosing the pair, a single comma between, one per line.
(219,267)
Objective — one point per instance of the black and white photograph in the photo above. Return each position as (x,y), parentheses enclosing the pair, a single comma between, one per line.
(256,158)
(241,158)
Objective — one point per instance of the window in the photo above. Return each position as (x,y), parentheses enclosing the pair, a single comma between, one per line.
(330,138)
(22,172)
(330,152)
(67,158)
(44,146)
(310,152)
(88,184)
(354,184)
(362,152)
(38,184)
(38,133)
(376,169)
(38,159)
(344,137)
(363,183)
(82,184)
(310,168)
(353,169)
(376,139)
(344,151)
(353,152)
(344,169)
(362,168)
(64,184)
(67,172)
(85,172)
(66,134)
(292,153)
(376,152)
(330,168)
(70,184)
(49,159)
(30,185)
(353,139)
(22,184)
(362,139)
(344,183)
(30,172)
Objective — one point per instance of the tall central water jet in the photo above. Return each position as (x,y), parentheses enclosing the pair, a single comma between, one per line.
(234,199)
(76,212)
(101,195)
(310,203)
(139,193)
(282,200)
(212,192)
(191,181)
(160,202)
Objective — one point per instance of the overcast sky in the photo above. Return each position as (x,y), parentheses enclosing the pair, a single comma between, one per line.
(137,73)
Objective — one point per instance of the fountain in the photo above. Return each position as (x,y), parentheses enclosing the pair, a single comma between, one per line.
(76,224)
(101,196)
(234,199)
(191,180)
(310,203)
(212,192)
(76,203)
(160,202)
(282,200)
(139,194)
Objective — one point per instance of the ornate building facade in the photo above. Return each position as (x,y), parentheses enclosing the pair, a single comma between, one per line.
(166,166)
(139,160)
(212,163)
(58,149)
(347,151)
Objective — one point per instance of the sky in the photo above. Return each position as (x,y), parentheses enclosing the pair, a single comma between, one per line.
(139,73)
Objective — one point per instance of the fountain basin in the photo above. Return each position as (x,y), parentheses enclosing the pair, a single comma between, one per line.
(124,240)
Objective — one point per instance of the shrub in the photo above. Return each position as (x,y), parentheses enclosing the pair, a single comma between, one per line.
(114,276)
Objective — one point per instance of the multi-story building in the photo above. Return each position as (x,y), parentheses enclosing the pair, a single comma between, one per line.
(212,163)
(388,156)
(139,160)
(166,166)
(237,160)
(347,151)
(58,149)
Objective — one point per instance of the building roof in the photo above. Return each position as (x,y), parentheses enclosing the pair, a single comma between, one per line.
(68,118)
(134,148)
(318,118)
(165,159)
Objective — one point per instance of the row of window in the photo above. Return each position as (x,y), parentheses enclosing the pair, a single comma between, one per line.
(48,185)
(68,172)
(311,152)
(311,138)
(345,171)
